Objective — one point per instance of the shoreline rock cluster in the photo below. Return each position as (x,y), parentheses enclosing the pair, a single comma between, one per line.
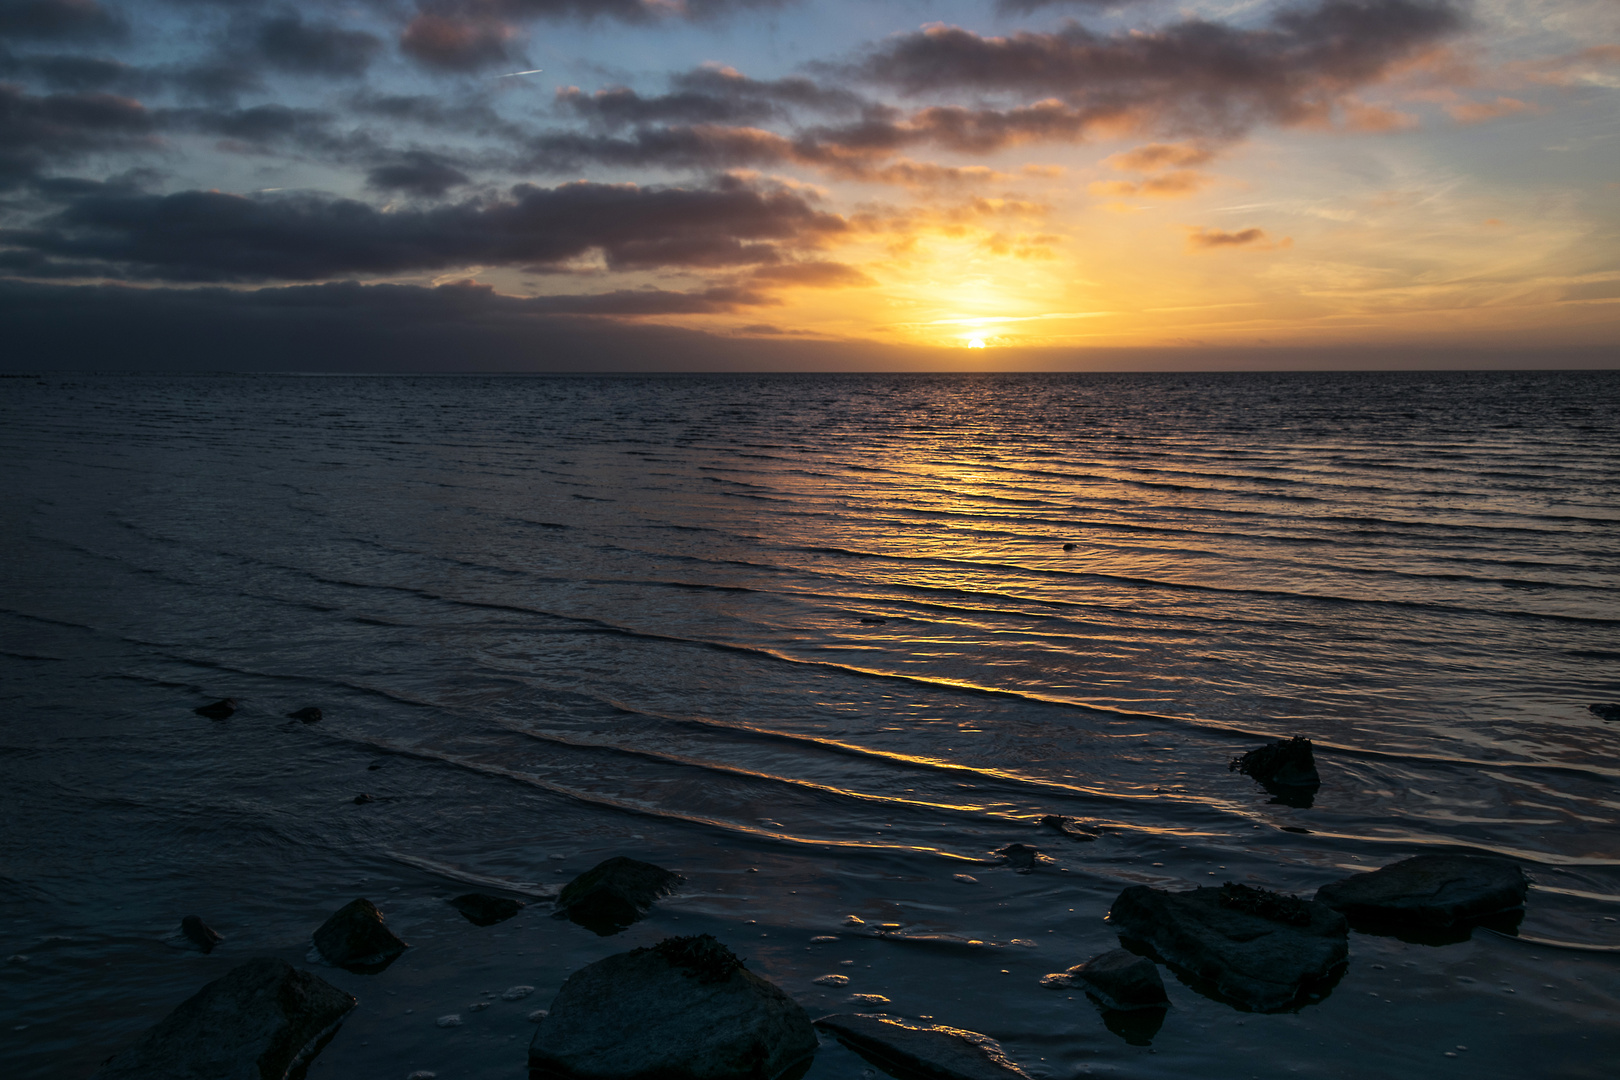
(688,1008)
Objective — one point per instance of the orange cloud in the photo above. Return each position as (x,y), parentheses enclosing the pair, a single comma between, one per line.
(1477,112)
(1201,238)
(1174,185)
(1156,156)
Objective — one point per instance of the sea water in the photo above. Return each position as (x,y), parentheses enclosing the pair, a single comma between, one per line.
(822,644)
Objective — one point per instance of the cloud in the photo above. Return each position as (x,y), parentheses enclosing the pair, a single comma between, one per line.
(1206,239)
(1170,185)
(417,172)
(814,275)
(39,131)
(212,236)
(1156,156)
(1477,112)
(707,95)
(450,43)
(1192,77)
(76,20)
(288,43)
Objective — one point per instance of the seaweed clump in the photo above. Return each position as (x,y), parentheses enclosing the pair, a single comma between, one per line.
(701,956)
(1278,907)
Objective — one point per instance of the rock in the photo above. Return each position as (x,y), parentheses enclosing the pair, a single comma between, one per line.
(924,1050)
(1073,828)
(356,937)
(363,798)
(199,933)
(874,621)
(1430,890)
(309,715)
(1119,979)
(1021,857)
(486,910)
(1606,712)
(1288,762)
(259,1021)
(1226,938)
(613,894)
(685,1009)
(217,710)
(1068,547)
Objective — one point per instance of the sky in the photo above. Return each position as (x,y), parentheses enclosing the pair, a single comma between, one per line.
(779,184)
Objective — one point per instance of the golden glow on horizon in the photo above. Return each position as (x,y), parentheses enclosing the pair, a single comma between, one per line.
(976,343)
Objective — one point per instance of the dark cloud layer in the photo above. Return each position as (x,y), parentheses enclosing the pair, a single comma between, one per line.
(209,236)
(707,95)
(1191,75)
(42,131)
(289,43)
(61,20)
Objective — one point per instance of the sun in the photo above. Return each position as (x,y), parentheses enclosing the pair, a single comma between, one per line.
(976,343)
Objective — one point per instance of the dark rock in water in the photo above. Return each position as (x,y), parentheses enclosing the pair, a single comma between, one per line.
(1068,547)
(930,1051)
(1021,857)
(1429,890)
(685,1009)
(486,910)
(1279,907)
(873,620)
(1606,712)
(263,1020)
(1119,979)
(309,715)
(363,798)
(356,937)
(1136,1026)
(1288,762)
(217,710)
(1073,828)
(1259,962)
(199,933)
(613,894)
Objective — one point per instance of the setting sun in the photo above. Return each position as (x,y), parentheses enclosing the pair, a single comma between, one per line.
(976,343)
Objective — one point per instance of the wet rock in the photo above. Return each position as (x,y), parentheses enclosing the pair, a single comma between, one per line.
(1605,712)
(932,1051)
(217,710)
(262,1020)
(1021,857)
(1119,979)
(685,1009)
(199,933)
(1429,890)
(1068,547)
(613,894)
(1263,963)
(486,910)
(1286,762)
(874,621)
(357,938)
(1073,828)
(363,798)
(309,715)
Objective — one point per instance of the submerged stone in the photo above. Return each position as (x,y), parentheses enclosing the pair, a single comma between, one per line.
(932,1051)
(1430,890)
(1073,828)
(1021,857)
(199,933)
(684,1009)
(486,910)
(357,938)
(309,715)
(1287,762)
(1605,712)
(1119,979)
(262,1020)
(614,894)
(217,710)
(1263,963)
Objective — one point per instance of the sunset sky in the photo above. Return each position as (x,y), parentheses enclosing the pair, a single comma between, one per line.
(562,183)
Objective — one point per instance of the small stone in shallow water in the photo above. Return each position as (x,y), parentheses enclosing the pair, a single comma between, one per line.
(199,933)
(485,910)
(309,715)
(357,938)
(538,1015)
(831,980)
(854,920)
(969,878)
(363,798)
(516,993)
(478,1006)
(925,1050)
(825,937)
(1605,712)
(869,999)
(1288,762)
(614,894)
(1430,890)
(1073,828)
(1021,857)
(217,710)
(453,1020)
(1119,979)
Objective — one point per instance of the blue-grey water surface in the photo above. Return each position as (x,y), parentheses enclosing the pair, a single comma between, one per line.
(816,643)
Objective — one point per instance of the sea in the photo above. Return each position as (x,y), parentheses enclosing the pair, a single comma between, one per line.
(823,645)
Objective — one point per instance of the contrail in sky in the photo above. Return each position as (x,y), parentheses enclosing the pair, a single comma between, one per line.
(509,74)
